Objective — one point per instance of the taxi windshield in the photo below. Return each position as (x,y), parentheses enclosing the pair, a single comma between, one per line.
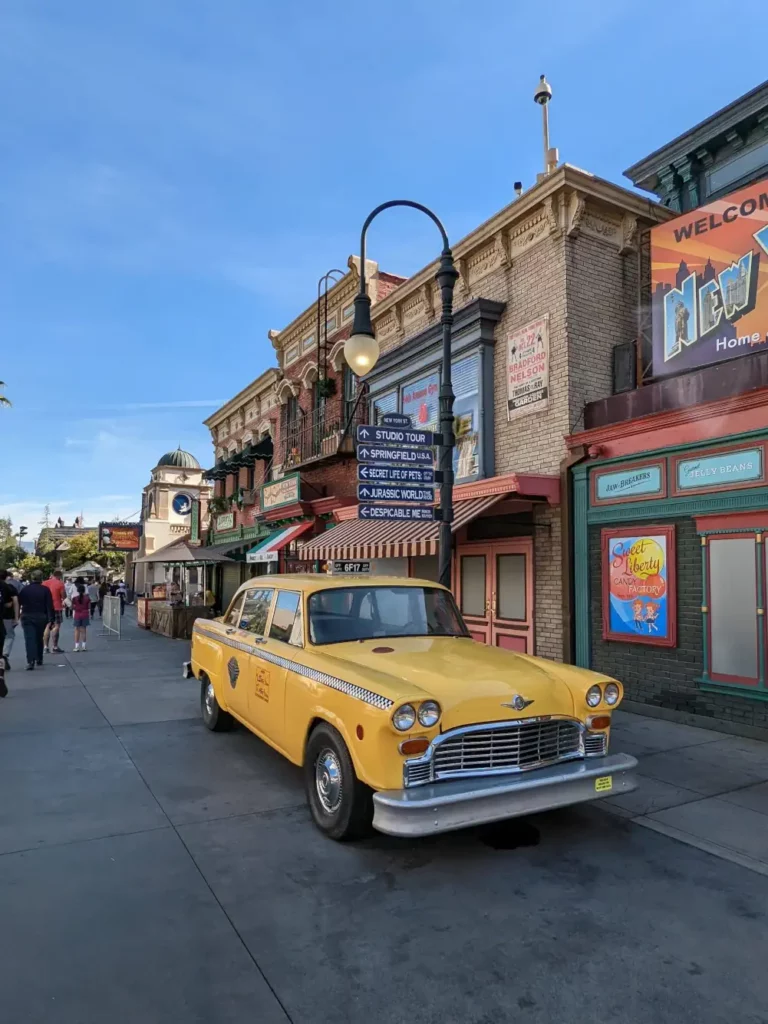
(367,613)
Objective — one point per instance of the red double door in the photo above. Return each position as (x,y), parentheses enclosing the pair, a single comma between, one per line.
(494,588)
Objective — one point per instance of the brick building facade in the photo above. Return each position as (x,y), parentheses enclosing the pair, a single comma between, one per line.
(565,250)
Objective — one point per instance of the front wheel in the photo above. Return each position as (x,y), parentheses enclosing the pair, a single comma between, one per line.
(341,805)
(213,717)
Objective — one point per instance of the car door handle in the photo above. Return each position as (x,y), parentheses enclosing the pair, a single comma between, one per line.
(259,639)
(230,630)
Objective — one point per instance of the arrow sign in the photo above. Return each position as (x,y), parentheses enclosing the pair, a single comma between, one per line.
(385,492)
(394,475)
(396,419)
(401,512)
(395,435)
(386,455)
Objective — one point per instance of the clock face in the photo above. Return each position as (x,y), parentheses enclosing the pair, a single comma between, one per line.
(182,504)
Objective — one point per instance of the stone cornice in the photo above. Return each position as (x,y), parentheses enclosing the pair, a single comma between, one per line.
(263,384)
(705,131)
(566,201)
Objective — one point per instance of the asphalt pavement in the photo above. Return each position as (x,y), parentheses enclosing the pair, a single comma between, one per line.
(153,872)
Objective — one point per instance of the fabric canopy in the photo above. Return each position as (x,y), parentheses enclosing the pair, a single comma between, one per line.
(267,550)
(361,538)
(181,551)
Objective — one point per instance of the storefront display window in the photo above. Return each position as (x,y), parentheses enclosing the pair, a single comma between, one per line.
(383,405)
(419,400)
(466,415)
(733,629)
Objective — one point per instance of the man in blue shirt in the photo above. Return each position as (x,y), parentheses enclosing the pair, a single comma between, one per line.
(36,606)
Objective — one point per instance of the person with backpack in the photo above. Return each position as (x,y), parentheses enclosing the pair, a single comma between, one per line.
(81,609)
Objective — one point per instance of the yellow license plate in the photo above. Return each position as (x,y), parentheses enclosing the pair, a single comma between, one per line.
(603,784)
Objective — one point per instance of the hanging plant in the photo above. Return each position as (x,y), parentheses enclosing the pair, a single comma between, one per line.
(219,505)
(326,387)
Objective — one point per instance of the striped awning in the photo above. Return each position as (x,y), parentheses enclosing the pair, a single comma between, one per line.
(267,549)
(363,539)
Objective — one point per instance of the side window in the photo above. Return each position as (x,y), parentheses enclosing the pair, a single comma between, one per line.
(233,615)
(286,616)
(255,611)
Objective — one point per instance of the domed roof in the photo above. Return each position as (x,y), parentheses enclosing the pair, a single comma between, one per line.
(179,459)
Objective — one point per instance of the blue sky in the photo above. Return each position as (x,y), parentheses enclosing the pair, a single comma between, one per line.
(176,175)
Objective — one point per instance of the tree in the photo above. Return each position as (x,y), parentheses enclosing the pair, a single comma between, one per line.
(4,400)
(85,548)
(10,551)
(30,563)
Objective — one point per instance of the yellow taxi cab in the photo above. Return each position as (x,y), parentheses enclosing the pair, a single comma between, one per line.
(397,716)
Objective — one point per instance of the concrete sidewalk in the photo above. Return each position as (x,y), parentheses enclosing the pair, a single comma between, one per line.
(704,788)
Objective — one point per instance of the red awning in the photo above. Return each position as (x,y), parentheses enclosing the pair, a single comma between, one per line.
(363,539)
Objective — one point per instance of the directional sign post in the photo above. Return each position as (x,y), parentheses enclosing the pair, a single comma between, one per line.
(388,455)
(395,435)
(401,512)
(387,492)
(395,475)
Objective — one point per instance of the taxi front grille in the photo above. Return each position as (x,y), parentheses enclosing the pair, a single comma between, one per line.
(497,748)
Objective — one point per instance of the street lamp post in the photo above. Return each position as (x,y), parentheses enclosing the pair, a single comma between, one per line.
(361,351)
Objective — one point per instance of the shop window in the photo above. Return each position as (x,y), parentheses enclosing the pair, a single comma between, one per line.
(473,589)
(466,416)
(383,405)
(510,584)
(350,393)
(733,604)
(426,567)
(419,400)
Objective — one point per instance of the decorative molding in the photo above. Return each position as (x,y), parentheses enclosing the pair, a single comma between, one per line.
(484,261)
(734,501)
(551,214)
(285,389)
(629,232)
(462,266)
(308,374)
(526,235)
(336,356)
(427,300)
(274,337)
(601,227)
(577,207)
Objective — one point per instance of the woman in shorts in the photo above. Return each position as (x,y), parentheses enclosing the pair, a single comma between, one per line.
(81,610)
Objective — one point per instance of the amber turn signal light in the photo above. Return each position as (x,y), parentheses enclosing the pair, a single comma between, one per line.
(417,746)
(599,722)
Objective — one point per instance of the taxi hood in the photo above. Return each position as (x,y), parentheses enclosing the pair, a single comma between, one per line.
(472,682)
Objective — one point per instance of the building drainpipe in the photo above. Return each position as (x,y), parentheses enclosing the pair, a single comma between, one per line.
(566,539)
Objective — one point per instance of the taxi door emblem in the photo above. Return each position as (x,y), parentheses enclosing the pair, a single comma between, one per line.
(518,703)
(234,671)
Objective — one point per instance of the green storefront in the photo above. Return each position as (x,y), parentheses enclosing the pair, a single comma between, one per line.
(669,574)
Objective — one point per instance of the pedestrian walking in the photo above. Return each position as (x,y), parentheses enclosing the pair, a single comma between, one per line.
(122,593)
(81,607)
(103,591)
(71,590)
(9,600)
(92,590)
(58,593)
(36,606)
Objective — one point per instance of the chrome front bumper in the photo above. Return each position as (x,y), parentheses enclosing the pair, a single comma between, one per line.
(445,806)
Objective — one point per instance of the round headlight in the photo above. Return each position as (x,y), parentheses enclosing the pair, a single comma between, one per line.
(404,718)
(429,713)
(594,696)
(611,693)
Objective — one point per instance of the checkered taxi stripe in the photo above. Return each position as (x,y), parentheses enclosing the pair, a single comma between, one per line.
(351,689)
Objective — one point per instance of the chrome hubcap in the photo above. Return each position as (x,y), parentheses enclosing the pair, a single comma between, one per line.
(328,780)
(210,700)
